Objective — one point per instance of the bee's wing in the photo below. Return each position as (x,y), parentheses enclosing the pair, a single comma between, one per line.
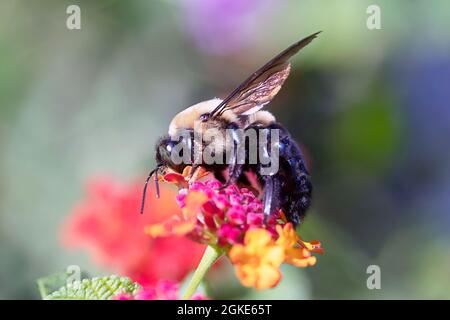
(260,88)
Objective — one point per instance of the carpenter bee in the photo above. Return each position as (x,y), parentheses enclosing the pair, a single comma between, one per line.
(230,130)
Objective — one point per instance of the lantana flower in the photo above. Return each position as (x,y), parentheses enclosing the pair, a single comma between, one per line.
(231,220)
(258,259)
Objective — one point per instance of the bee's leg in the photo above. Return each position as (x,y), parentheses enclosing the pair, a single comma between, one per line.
(192,174)
(234,173)
(235,166)
(271,196)
(267,198)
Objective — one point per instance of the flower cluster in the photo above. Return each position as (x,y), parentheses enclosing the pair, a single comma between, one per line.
(215,216)
(232,219)
(162,290)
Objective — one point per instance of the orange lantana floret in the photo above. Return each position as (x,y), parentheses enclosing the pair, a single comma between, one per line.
(258,260)
(296,251)
(177,225)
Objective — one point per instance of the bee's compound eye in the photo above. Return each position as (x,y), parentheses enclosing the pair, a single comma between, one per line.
(204,117)
(170,146)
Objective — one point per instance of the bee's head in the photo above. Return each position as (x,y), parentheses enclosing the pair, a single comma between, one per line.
(174,154)
(163,148)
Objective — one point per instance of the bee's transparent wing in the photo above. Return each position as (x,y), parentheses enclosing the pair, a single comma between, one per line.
(260,88)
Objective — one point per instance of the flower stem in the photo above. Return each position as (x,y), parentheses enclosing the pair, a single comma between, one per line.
(210,256)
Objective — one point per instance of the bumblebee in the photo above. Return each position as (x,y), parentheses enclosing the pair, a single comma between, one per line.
(221,129)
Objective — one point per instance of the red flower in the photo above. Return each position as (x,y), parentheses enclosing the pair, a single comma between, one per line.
(108,225)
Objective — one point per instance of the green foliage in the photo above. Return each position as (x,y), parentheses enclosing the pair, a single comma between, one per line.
(102,288)
(55,281)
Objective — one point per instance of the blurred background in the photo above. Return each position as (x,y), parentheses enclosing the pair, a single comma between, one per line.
(80,111)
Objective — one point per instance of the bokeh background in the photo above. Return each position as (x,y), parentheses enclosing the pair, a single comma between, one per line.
(80,111)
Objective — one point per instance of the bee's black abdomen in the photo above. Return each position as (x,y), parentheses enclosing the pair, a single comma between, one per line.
(295,193)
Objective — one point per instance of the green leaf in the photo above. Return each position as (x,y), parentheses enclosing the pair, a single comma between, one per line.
(55,281)
(103,288)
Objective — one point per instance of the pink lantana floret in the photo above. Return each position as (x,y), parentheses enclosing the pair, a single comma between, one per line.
(227,214)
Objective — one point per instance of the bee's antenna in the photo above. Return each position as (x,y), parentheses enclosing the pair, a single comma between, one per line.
(157,182)
(145,187)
